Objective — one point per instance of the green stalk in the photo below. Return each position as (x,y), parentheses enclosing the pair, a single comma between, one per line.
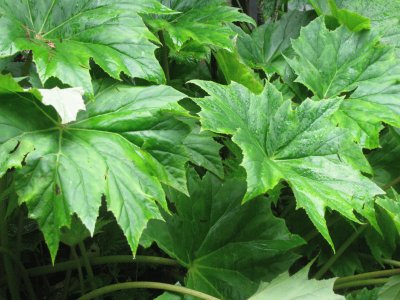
(22,271)
(165,54)
(369,275)
(339,252)
(145,285)
(392,183)
(87,265)
(361,283)
(391,262)
(8,266)
(79,269)
(102,260)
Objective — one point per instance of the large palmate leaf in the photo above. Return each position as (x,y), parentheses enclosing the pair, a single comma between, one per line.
(122,148)
(264,47)
(332,63)
(226,247)
(297,287)
(64,35)
(301,147)
(200,24)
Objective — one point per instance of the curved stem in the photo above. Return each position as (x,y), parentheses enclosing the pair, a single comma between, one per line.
(165,54)
(102,260)
(145,285)
(359,283)
(369,275)
(87,264)
(339,252)
(391,262)
(79,269)
(22,270)
(392,183)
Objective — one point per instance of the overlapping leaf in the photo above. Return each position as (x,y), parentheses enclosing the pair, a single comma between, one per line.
(296,287)
(384,16)
(226,247)
(333,63)
(299,146)
(391,290)
(385,160)
(263,49)
(200,24)
(121,148)
(65,35)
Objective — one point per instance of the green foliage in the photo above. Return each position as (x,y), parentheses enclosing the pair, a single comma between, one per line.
(181,149)
(64,35)
(211,229)
(297,286)
(299,146)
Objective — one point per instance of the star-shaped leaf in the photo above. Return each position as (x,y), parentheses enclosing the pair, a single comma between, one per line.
(65,35)
(299,146)
(263,49)
(122,148)
(226,247)
(199,24)
(333,63)
(297,287)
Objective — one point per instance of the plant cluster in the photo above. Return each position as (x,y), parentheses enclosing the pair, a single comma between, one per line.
(200,149)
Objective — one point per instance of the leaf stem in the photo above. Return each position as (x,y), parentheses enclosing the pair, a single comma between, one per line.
(392,183)
(145,285)
(339,252)
(87,264)
(391,262)
(360,283)
(22,270)
(79,269)
(114,259)
(8,266)
(369,275)
(164,53)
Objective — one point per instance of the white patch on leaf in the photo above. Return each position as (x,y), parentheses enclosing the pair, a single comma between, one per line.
(67,102)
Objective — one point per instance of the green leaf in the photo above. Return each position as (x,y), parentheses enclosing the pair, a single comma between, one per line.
(384,243)
(203,22)
(384,15)
(295,287)
(65,35)
(204,150)
(226,247)
(333,63)
(352,20)
(299,146)
(364,294)
(385,160)
(121,148)
(391,290)
(264,47)
(234,69)
(392,208)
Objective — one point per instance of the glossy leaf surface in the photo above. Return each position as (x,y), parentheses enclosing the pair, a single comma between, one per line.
(65,35)
(341,62)
(121,149)
(299,146)
(226,247)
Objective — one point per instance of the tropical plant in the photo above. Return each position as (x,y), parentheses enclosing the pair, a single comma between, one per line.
(189,149)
